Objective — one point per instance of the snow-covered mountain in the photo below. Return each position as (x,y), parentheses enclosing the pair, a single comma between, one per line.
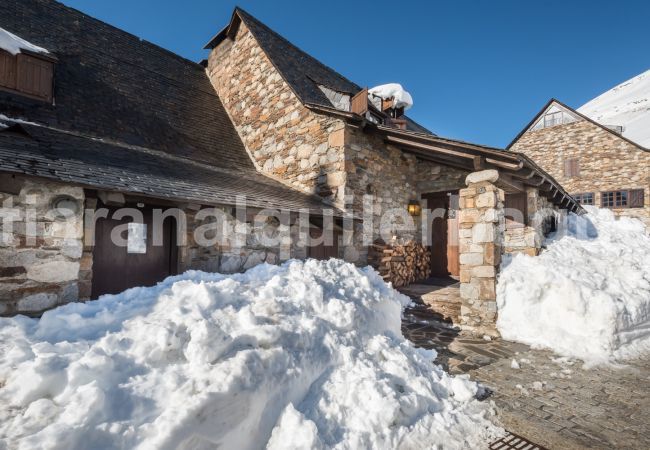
(627,105)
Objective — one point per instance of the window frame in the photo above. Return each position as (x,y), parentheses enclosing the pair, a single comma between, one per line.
(579,197)
(622,199)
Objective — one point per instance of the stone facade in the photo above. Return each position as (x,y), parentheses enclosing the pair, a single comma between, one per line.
(386,179)
(606,161)
(357,171)
(46,257)
(284,138)
(41,261)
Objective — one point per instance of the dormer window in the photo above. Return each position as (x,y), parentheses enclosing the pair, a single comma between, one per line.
(25,68)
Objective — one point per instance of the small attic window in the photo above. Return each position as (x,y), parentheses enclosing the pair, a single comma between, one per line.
(25,68)
(554,116)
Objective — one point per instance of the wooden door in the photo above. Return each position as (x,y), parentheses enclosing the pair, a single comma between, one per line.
(323,251)
(444,234)
(438,239)
(140,263)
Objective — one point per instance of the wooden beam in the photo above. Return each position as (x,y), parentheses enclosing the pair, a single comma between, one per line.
(509,185)
(418,145)
(479,162)
(505,165)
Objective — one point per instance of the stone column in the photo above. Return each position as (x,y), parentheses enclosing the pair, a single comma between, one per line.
(480,235)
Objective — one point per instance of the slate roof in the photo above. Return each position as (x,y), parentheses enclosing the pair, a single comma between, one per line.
(302,72)
(90,162)
(113,86)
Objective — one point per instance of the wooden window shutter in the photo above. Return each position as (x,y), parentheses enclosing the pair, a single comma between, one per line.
(7,70)
(516,210)
(636,198)
(34,77)
(359,103)
(571,168)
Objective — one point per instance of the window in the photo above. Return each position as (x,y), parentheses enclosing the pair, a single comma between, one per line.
(632,198)
(553,119)
(585,199)
(571,168)
(26,74)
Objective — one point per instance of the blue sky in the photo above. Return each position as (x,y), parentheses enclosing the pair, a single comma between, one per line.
(478,70)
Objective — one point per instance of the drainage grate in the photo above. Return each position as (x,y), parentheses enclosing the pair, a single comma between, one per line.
(513,442)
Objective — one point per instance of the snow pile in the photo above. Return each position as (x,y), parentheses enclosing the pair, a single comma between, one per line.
(627,105)
(303,355)
(13,44)
(396,91)
(587,296)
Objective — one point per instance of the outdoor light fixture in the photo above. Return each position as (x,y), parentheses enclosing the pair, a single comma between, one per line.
(414,208)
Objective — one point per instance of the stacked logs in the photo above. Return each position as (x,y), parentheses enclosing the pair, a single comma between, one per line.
(400,264)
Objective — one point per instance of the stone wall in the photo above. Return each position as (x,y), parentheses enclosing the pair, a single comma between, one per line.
(40,256)
(481,221)
(386,179)
(249,243)
(606,161)
(284,138)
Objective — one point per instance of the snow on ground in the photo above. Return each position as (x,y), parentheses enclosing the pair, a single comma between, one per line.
(587,296)
(627,104)
(396,91)
(13,44)
(303,355)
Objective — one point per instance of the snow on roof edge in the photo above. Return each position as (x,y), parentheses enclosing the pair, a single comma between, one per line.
(14,44)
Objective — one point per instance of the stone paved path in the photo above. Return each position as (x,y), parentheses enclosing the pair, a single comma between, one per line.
(548,400)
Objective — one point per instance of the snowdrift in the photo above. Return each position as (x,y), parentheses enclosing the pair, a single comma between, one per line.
(303,355)
(587,296)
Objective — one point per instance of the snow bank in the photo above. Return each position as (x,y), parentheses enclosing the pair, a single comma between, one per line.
(13,44)
(587,296)
(396,91)
(303,355)
(626,105)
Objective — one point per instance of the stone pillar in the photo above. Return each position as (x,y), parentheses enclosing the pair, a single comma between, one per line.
(480,235)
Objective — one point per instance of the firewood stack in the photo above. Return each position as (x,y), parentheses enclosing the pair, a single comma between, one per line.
(400,264)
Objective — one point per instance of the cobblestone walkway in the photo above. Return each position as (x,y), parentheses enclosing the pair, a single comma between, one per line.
(552,401)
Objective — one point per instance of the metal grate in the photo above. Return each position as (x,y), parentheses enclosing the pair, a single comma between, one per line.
(514,442)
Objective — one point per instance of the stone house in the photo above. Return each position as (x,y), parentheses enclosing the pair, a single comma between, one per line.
(594,162)
(120,124)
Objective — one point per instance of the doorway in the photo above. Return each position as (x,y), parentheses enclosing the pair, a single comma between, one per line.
(444,233)
(139,262)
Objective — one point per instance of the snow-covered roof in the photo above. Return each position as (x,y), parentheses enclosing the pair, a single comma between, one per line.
(14,44)
(396,91)
(626,105)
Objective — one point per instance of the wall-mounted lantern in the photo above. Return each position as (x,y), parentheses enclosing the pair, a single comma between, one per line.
(414,208)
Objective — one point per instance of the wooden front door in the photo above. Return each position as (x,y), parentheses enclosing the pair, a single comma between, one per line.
(323,251)
(444,234)
(140,262)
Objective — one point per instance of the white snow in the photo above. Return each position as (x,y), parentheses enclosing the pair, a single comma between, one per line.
(396,91)
(627,105)
(303,355)
(587,296)
(13,44)
(514,364)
